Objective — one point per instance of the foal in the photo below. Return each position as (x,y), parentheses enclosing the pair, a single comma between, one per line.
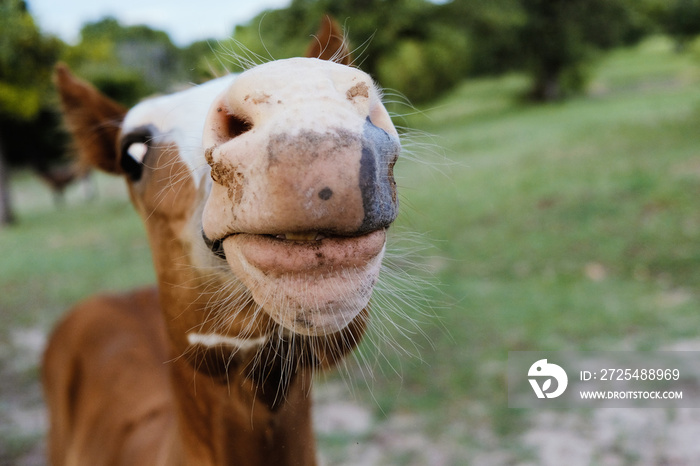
(266,197)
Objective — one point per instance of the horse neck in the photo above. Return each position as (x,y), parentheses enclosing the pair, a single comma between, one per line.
(224,416)
(225,421)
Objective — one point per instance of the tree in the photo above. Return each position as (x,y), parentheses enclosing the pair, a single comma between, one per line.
(560,37)
(26,61)
(492,29)
(401,43)
(126,63)
(682,21)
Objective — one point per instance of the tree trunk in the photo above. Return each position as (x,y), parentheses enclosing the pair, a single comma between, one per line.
(6,215)
(547,86)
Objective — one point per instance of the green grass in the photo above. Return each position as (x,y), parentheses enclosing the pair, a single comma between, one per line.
(50,259)
(56,256)
(564,226)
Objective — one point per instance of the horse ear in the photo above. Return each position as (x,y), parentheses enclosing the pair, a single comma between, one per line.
(92,118)
(329,43)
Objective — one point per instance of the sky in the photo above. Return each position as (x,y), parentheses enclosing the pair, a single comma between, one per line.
(185,21)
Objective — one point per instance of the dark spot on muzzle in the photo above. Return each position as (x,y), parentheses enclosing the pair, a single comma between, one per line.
(379,154)
(325,194)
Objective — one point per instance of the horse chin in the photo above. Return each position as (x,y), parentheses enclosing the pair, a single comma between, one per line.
(311,287)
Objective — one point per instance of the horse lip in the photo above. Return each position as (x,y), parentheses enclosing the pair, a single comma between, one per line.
(217,245)
(275,256)
(308,287)
(302,237)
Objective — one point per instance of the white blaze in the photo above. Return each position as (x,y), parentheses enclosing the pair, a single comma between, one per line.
(179,118)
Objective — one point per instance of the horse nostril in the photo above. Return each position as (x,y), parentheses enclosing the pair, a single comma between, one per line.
(236,126)
(223,125)
(216,246)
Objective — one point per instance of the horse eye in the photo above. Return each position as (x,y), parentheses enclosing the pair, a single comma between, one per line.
(132,160)
(137,151)
(134,149)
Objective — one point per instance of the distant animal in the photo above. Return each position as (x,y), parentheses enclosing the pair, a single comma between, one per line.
(59,177)
(266,197)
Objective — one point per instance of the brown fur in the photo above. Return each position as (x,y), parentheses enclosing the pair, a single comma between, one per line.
(96,130)
(121,385)
(330,43)
(87,384)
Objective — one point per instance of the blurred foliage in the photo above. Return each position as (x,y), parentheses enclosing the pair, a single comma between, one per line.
(560,37)
(403,44)
(418,48)
(420,69)
(422,49)
(682,21)
(26,60)
(492,26)
(126,62)
(26,100)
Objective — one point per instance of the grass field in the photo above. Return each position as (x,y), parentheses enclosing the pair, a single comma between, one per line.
(566,226)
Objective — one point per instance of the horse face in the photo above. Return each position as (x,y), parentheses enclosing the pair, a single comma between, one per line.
(301,154)
(279,179)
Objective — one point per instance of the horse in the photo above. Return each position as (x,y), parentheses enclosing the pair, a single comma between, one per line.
(266,197)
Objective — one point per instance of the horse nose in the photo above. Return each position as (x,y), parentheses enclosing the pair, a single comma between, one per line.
(279,171)
(339,181)
(377,185)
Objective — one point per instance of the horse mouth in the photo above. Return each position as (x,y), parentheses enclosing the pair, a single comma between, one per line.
(310,283)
